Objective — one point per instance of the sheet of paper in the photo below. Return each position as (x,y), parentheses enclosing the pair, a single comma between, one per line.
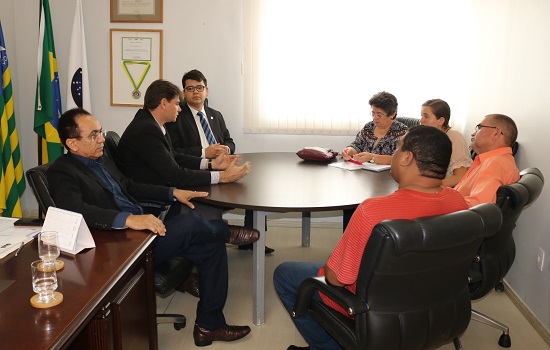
(376,167)
(11,236)
(346,165)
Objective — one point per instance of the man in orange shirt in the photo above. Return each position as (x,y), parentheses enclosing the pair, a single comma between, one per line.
(418,165)
(494,165)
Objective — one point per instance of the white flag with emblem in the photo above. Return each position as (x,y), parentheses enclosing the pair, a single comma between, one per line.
(78,85)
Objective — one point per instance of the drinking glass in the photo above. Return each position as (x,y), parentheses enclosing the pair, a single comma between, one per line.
(48,247)
(44,281)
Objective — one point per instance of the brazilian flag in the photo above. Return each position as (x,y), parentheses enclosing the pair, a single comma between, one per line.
(48,97)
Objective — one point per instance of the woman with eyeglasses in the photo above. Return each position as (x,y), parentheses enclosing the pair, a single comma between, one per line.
(377,141)
(437,113)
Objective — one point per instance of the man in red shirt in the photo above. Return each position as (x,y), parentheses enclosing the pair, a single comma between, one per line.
(494,164)
(418,166)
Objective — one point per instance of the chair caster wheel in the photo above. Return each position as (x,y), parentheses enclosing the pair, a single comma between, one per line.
(178,326)
(499,287)
(505,341)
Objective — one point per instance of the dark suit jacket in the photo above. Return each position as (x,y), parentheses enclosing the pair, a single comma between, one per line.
(146,156)
(185,134)
(74,187)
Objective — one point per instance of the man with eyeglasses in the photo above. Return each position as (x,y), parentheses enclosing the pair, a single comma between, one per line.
(494,165)
(189,133)
(86,182)
(200,130)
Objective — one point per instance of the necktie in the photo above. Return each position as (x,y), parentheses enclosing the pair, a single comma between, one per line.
(206,128)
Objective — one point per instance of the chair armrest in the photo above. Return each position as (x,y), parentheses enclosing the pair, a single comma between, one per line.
(172,273)
(349,301)
(159,208)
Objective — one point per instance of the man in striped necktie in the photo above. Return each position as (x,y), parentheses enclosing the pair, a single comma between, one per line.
(200,130)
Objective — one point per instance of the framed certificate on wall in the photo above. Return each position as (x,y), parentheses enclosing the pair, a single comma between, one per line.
(136,61)
(146,11)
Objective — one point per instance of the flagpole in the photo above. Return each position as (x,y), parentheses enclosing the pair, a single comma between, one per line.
(39,148)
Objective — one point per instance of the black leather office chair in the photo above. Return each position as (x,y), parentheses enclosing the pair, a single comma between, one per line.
(496,254)
(172,273)
(412,289)
(110,148)
(168,275)
(408,121)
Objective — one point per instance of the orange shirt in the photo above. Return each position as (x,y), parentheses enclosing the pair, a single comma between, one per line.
(488,172)
(402,204)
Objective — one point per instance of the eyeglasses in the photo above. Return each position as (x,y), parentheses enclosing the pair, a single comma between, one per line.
(378,115)
(481,126)
(94,136)
(199,88)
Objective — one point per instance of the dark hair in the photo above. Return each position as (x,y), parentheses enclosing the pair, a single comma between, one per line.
(508,126)
(431,148)
(385,101)
(158,90)
(67,128)
(193,75)
(440,109)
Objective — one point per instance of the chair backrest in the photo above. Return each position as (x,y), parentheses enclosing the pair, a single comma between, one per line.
(496,254)
(110,148)
(413,277)
(38,180)
(408,121)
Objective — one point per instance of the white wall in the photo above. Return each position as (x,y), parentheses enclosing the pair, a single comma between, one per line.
(510,75)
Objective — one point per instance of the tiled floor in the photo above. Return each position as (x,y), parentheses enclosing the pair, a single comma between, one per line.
(278,332)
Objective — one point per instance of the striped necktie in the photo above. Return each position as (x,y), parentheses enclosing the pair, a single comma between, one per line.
(206,128)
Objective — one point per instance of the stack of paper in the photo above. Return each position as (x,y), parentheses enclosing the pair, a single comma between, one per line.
(367,166)
(11,237)
(376,167)
(346,165)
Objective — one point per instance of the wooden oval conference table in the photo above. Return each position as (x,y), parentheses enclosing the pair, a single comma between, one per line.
(282,182)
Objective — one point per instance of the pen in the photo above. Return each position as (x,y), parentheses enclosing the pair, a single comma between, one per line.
(18,250)
(351,159)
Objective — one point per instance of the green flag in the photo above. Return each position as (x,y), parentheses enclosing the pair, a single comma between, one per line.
(12,181)
(48,97)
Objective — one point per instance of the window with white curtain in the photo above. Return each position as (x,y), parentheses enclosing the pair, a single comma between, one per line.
(312,65)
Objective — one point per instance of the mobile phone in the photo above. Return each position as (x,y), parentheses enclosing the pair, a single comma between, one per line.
(29,222)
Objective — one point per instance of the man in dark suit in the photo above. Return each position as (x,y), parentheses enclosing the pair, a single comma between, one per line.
(146,149)
(84,181)
(189,133)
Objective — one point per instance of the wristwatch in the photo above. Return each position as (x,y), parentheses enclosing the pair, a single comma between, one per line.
(209,164)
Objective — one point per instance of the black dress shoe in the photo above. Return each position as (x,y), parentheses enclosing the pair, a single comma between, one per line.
(294,347)
(240,235)
(204,337)
(250,247)
(190,285)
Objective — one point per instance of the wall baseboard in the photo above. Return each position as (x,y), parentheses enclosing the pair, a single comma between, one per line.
(527,313)
(291,223)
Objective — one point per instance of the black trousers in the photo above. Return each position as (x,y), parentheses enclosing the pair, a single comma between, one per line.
(203,242)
